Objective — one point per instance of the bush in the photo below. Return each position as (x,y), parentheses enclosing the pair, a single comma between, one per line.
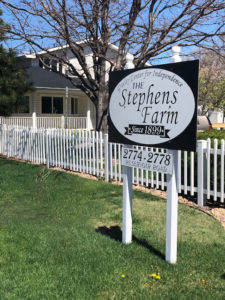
(212,134)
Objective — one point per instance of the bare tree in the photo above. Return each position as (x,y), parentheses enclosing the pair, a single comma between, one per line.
(146,28)
(211,80)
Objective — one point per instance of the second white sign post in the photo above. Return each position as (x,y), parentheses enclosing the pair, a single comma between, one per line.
(127,203)
(172,196)
(127,187)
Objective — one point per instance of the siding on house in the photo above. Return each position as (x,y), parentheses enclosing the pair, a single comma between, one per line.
(36,103)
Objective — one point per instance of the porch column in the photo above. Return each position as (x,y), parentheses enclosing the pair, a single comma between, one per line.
(88,114)
(33,111)
(33,104)
(66,107)
(34,120)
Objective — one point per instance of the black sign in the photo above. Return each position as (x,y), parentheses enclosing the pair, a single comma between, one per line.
(155,106)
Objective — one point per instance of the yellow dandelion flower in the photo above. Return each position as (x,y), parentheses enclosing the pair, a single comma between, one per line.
(157,277)
(123,275)
(203,280)
(153,275)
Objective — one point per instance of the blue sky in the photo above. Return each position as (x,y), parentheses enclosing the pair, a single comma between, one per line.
(17,44)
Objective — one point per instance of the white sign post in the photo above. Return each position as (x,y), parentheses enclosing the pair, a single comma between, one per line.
(127,187)
(172,211)
(127,205)
(172,196)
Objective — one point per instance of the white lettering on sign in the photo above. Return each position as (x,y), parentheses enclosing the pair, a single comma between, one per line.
(151,106)
(149,160)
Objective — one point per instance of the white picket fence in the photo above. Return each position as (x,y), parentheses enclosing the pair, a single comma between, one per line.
(200,173)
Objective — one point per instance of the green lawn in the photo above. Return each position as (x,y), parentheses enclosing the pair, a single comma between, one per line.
(60,239)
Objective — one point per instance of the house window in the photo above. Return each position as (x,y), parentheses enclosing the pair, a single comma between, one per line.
(44,62)
(57,105)
(47,63)
(41,64)
(22,106)
(46,105)
(60,67)
(74,106)
(54,65)
(52,105)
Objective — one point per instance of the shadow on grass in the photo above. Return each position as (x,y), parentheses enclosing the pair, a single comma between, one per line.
(115,233)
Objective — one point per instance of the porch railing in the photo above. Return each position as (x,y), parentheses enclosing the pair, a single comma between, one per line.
(47,122)
(17,121)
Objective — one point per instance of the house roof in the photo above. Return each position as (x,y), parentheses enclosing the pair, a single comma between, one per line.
(42,78)
(53,49)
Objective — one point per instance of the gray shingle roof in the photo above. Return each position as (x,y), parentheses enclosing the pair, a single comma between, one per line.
(46,79)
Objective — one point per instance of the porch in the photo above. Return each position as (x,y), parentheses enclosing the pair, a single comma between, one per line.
(53,108)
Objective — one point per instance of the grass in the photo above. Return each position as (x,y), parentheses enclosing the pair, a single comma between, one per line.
(60,239)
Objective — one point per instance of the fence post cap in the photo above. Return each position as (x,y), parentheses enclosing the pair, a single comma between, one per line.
(176,54)
(203,142)
(176,49)
(129,61)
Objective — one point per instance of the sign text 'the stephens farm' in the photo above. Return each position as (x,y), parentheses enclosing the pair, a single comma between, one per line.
(153,106)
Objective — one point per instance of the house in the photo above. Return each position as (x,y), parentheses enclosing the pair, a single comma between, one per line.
(54,96)
(55,102)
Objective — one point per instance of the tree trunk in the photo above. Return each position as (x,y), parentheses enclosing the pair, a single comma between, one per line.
(102,101)
(101,111)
